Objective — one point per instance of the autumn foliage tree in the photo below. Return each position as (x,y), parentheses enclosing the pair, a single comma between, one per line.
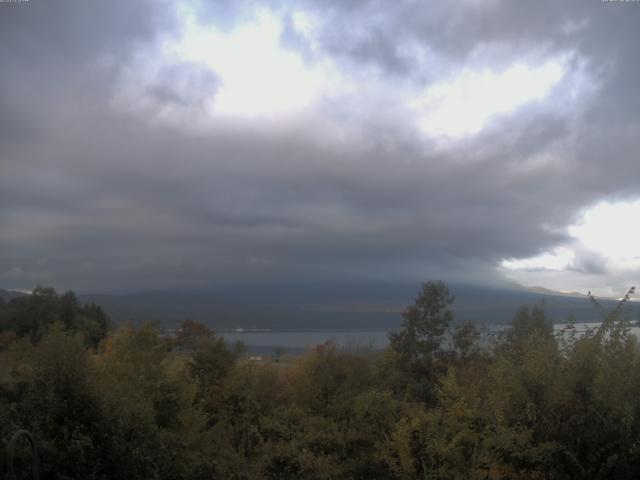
(418,344)
(440,402)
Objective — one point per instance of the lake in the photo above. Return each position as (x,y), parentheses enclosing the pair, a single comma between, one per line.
(263,342)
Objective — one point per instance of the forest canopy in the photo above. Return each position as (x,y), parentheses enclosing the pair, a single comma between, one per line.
(443,400)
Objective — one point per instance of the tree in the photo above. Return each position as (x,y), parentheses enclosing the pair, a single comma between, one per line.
(191,334)
(465,340)
(33,315)
(418,344)
(155,423)
(68,307)
(527,322)
(210,363)
(53,397)
(93,322)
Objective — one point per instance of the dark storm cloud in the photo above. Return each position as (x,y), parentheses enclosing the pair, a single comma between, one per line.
(93,196)
(183,84)
(55,34)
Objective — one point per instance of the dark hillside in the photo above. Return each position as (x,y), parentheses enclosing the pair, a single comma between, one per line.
(330,305)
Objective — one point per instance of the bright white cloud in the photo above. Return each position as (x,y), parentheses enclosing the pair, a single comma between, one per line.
(559,259)
(607,234)
(465,104)
(612,230)
(257,75)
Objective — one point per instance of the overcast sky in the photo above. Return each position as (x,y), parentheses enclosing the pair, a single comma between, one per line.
(185,144)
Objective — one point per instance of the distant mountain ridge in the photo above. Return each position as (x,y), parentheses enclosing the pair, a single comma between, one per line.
(8,295)
(333,305)
(330,306)
(546,291)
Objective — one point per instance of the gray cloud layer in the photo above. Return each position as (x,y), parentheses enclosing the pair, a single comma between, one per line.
(96,197)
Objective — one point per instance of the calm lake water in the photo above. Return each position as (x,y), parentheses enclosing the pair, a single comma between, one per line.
(264,342)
